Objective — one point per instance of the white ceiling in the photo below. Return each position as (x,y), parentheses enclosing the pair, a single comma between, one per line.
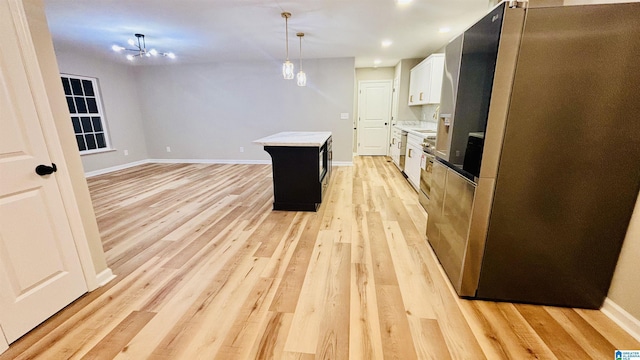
(201,31)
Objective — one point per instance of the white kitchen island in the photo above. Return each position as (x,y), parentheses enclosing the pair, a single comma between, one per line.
(301,165)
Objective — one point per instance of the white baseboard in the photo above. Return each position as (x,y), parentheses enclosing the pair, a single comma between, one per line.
(208,161)
(621,317)
(115,168)
(104,277)
(342,163)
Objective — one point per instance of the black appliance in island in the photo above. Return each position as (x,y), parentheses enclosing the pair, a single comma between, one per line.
(301,165)
(537,166)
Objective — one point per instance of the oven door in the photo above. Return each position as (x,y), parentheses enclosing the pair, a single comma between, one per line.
(426,169)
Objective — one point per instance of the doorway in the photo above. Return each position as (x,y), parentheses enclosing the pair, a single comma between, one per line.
(374,117)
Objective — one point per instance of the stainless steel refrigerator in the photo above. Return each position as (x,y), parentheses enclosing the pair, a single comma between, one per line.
(536,179)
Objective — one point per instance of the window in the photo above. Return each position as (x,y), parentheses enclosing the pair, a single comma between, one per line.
(87,116)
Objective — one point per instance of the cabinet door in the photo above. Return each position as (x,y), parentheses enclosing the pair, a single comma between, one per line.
(412,165)
(436,73)
(424,90)
(415,79)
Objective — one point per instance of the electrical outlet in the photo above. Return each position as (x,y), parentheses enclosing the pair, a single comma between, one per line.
(168,148)
(241,148)
(126,153)
(344,116)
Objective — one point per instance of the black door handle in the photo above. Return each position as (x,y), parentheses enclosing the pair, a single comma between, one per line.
(46,170)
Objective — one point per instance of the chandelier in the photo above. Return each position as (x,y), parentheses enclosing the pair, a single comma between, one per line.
(140,49)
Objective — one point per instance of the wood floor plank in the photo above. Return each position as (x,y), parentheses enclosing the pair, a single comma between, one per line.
(607,328)
(430,343)
(552,333)
(305,327)
(333,338)
(513,336)
(397,342)
(118,338)
(383,270)
(205,269)
(596,345)
(270,343)
(365,340)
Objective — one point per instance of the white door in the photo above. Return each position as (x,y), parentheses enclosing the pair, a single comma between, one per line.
(40,271)
(374,113)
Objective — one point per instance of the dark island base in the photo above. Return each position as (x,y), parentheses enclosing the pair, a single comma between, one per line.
(300,176)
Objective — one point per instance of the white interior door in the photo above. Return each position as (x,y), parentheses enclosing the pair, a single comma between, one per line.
(374,113)
(40,271)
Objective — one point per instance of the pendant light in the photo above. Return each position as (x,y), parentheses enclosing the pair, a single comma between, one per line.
(302,77)
(287,66)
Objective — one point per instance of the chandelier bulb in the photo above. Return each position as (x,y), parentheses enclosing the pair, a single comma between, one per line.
(130,57)
(131,42)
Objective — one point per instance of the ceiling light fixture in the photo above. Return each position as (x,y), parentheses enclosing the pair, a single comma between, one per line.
(443,30)
(403,2)
(302,77)
(141,49)
(377,61)
(386,43)
(287,66)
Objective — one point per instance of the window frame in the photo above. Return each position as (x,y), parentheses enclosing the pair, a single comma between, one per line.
(103,122)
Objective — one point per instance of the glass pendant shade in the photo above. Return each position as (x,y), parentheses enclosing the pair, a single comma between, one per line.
(302,78)
(287,70)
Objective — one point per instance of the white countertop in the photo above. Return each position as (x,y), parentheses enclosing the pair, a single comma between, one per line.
(417,131)
(295,138)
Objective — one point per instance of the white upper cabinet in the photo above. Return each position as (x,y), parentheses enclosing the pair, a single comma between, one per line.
(425,81)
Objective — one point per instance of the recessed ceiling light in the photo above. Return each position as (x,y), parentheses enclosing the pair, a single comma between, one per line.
(377,61)
(386,43)
(444,30)
(403,2)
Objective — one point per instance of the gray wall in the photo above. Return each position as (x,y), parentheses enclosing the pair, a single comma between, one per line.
(209,111)
(120,102)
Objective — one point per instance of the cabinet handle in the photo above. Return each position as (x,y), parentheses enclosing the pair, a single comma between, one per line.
(399,144)
(409,154)
(410,98)
(393,141)
(420,96)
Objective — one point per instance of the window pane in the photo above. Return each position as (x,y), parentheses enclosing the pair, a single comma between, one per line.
(81,105)
(101,141)
(91,141)
(71,105)
(86,124)
(92,106)
(76,86)
(76,125)
(88,88)
(80,141)
(66,86)
(97,124)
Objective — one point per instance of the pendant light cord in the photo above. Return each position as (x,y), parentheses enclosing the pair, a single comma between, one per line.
(286,27)
(300,36)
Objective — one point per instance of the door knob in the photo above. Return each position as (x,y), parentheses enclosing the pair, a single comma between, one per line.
(46,170)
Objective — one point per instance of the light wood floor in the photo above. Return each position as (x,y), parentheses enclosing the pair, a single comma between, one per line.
(207,271)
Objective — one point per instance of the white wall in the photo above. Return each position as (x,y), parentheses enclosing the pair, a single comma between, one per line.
(120,102)
(209,111)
